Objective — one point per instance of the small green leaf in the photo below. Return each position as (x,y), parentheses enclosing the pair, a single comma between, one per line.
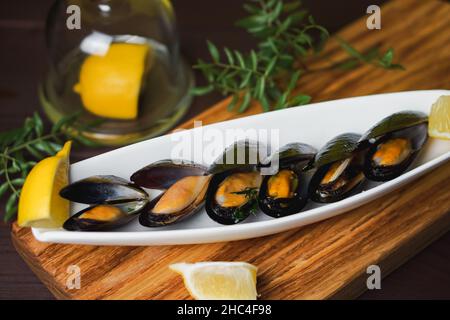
(240,59)
(65,122)
(277,11)
(213,51)
(233,102)
(348,64)
(44,146)
(294,79)
(200,91)
(260,86)
(281,103)
(34,152)
(264,103)
(271,66)
(246,80)
(38,125)
(229,55)
(254,60)
(3,188)
(386,60)
(17,182)
(300,100)
(349,49)
(85,141)
(11,207)
(252,21)
(245,102)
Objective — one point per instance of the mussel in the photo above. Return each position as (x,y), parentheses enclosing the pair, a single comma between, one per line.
(393,144)
(285,192)
(114,202)
(184,184)
(339,171)
(232,194)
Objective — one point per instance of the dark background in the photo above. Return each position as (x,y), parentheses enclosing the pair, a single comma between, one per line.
(23,64)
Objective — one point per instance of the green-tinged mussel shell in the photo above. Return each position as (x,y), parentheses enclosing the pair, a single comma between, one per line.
(243,155)
(291,153)
(339,148)
(395,122)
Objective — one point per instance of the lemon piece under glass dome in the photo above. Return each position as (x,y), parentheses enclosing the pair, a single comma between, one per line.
(109,85)
(121,70)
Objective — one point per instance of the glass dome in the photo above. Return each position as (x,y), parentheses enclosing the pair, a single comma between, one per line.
(120,65)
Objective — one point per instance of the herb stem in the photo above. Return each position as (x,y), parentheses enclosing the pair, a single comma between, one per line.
(33,141)
(5,168)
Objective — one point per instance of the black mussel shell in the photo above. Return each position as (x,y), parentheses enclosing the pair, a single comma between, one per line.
(162,174)
(223,215)
(395,122)
(417,136)
(291,153)
(340,148)
(281,207)
(149,219)
(244,155)
(125,213)
(102,189)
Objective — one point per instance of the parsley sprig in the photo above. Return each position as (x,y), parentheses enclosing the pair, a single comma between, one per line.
(251,206)
(288,35)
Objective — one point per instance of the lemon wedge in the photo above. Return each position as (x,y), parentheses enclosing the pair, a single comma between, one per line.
(109,85)
(219,280)
(439,120)
(40,205)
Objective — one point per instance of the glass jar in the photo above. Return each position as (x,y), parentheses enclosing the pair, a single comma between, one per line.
(118,66)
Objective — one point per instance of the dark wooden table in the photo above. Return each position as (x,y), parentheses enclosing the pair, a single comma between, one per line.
(23,64)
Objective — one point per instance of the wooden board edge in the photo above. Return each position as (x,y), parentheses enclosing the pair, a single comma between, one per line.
(33,263)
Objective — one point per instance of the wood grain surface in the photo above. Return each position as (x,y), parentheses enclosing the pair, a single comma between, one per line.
(323,260)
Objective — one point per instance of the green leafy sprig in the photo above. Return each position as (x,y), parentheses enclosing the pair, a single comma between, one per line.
(23,147)
(252,195)
(287,35)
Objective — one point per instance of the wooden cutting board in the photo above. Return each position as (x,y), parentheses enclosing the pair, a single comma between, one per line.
(324,260)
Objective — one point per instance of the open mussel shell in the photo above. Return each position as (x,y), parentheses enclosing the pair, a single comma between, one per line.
(339,171)
(162,174)
(184,198)
(103,217)
(285,192)
(233,190)
(393,144)
(102,189)
(232,195)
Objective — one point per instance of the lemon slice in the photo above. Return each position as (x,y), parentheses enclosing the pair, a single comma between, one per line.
(40,205)
(439,120)
(109,85)
(219,280)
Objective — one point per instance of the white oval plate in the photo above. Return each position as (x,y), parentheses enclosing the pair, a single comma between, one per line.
(314,124)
